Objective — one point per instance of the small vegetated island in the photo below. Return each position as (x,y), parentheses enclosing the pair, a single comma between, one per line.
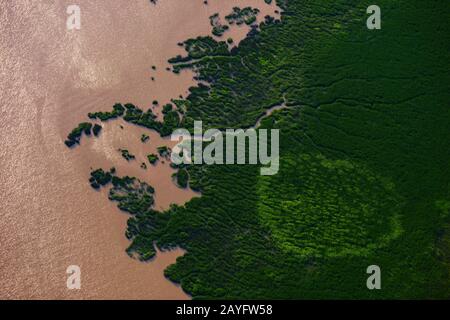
(144,138)
(152,158)
(364,172)
(127,155)
(218,28)
(240,16)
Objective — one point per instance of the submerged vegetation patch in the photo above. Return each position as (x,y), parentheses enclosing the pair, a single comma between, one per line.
(239,16)
(144,138)
(118,111)
(132,195)
(132,114)
(75,135)
(321,207)
(218,28)
(152,158)
(96,129)
(182,177)
(100,178)
(127,155)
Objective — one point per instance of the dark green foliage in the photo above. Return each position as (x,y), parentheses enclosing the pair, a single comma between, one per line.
(182,178)
(96,129)
(319,207)
(70,143)
(136,198)
(147,119)
(218,28)
(201,48)
(84,127)
(141,229)
(100,178)
(171,122)
(163,151)
(133,113)
(133,195)
(144,138)
(75,135)
(152,158)
(218,31)
(118,111)
(167,108)
(127,155)
(240,16)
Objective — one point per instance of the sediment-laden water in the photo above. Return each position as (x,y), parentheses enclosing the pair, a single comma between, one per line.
(50,78)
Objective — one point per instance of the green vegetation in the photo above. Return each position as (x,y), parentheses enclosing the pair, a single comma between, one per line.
(171,120)
(75,136)
(218,28)
(319,207)
(96,129)
(364,159)
(167,108)
(182,178)
(136,116)
(240,16)
(378,159)
(152,158)
(136,198)
(147,119)
(100,178)
(127,155)
(144,138)
(163,151)
(201,48)
(133,196)
(117,111)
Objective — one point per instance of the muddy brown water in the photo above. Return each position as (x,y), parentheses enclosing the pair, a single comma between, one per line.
(50,78)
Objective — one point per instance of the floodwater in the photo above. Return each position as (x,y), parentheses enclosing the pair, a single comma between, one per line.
(50,78)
